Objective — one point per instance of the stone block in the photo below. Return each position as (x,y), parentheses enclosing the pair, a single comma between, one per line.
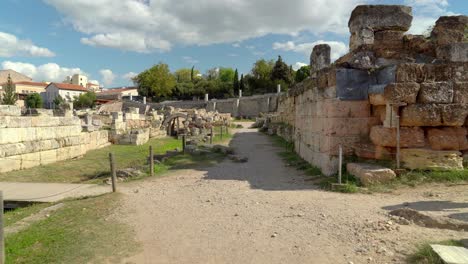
(381,17)
(420,72)
(10,110)
(30,160)
(377,99)
(454,114)
(401,92)
(410,137)
(427,159)
(320,57)
(362,36)
(48,156)
(18,121)
(448,138)
(388,39)
(10,164)
(450,29)
(379,112)
(338,108)
(353,84)
(453,52)
(460,93)
(436,92)
(421,115)
(45,121)
(369,174)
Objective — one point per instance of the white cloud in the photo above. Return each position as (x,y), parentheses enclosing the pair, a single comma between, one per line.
(108,76)
(338,48)
(298,65)
(96,82)
(129,75)
(49,72)
(11,46)
(426,12)
(190,60)
(236,45)
(145,26)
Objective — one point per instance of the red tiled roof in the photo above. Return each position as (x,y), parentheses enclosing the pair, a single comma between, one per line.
(117,90)
(67,86)
(33,83)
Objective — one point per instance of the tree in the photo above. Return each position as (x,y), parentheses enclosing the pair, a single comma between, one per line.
(241,83)
(156,81)
(192,77)
(281,72)
(212,74)
(9,95)
(58,101)
(85,100)
(226,74)
(235,84)
(262,69)
(185,75)
(34,100)
(302,73)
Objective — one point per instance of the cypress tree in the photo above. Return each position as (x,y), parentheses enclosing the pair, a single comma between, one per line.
(9,97)
(235,83)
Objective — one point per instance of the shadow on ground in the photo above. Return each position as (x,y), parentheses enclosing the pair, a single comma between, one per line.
(459,210)
(264,168)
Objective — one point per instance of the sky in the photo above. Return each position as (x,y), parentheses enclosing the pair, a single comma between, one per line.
(111,41)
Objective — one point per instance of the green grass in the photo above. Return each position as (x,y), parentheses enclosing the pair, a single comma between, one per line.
(226,136)
(83,231)
(13,216)
(426,255)
(93,164)
(239,119)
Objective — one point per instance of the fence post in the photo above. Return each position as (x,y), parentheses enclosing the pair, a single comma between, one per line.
(2,239)
(183,143)
(151,156)
(340,164)
(398,141)
(211,135)
(113,172)
(221,132)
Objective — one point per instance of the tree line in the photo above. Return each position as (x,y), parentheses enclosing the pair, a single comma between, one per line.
(158,83)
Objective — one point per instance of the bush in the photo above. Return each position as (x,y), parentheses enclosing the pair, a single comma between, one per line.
(34,100)
(86,100)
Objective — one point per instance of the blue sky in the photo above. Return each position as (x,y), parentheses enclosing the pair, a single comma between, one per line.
(112,40)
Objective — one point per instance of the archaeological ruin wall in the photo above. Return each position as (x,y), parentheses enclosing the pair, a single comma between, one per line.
(29,141)
(388,79)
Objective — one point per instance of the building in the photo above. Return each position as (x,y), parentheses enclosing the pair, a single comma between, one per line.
(113,94)
(15,76)
(93,87)
(67,91)
(22,89)
(77,79)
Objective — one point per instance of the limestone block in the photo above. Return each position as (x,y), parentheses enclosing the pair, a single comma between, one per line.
(13,149)
(381,17)
(388,39)
(338,108)
(362,36)
(436,92)
(369,174)
(453,52)
(10,110)
(427,159)
(379,112)
(421,115)
(401,92)
(454,114)
(18,121)
(320,57)
(10,164)
(410,137)
(448,138)
(117,116)
(4,121)
(419,72)
(45,121)
(377,99)
(450,29)
(30,160)
(460,93)
(48,156)
(69,121)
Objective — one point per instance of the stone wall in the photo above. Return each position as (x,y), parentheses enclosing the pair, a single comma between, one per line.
(249,106)
(388,79)
(28,141)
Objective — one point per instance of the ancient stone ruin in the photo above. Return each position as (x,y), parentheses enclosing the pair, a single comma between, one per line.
(388,79)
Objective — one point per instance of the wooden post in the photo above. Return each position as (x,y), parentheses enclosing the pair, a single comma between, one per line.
(151,156)
(2,239)
(113,172)
(183,143)
(211,136)
(340,164)
(221,132)
(398,141)
(227,129)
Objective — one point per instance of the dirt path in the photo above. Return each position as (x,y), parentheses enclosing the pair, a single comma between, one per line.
(264,212)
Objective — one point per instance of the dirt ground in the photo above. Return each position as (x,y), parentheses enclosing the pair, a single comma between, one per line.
(264,212)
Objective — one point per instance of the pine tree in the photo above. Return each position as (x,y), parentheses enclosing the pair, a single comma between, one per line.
(9,97)
(235,83)
(241,83)
(281,71)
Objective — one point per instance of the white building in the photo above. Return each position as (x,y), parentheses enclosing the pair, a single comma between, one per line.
(67,91)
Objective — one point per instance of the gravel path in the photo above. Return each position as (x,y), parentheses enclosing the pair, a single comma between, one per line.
(264,212)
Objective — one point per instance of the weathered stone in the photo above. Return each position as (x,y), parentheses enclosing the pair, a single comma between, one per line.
(388,39)
(369,174)
(10,110)
(453,52)
(421,115)
(448,138)
(381,17)
(320,57)
(450,29)
(427,159)
(454,114)
(362,36)
(420,72)
(401,92)
(377,99)
(410,137)
(436,92)
(419,44)
(460,93)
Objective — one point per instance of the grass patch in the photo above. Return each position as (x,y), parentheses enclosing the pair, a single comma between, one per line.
(227,135)
(13,216)
(83,231)
(93,164)
(426,255)
(240,119)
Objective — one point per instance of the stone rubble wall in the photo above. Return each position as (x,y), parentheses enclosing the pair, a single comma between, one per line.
(28,141)
(356,100)
(248,106)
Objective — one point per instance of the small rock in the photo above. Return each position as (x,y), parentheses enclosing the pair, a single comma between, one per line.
(274,234)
